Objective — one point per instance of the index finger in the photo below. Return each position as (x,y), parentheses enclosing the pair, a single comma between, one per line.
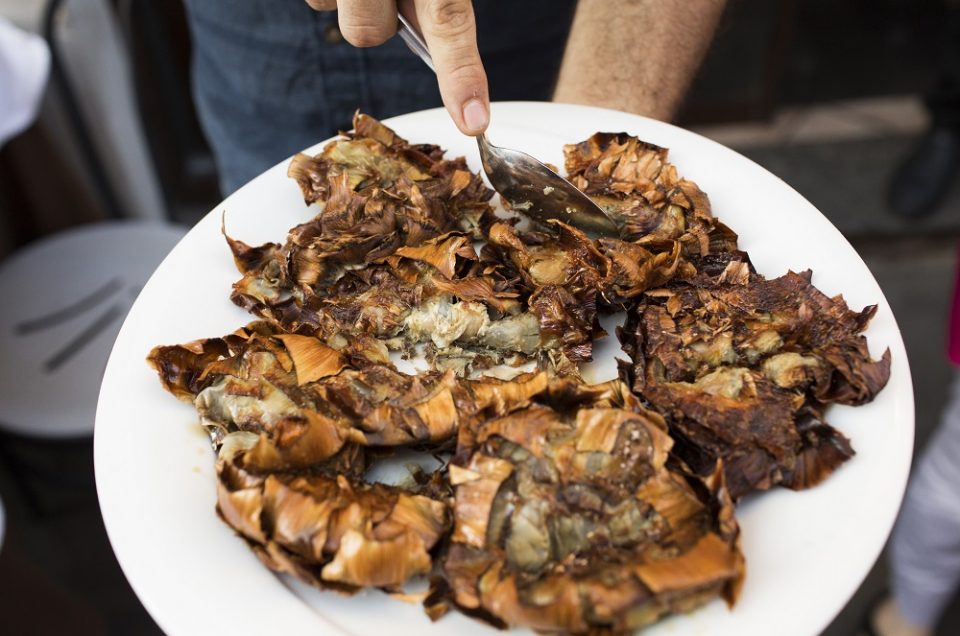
(450,31)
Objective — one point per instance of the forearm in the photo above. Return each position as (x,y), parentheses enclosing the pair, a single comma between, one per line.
(636,55)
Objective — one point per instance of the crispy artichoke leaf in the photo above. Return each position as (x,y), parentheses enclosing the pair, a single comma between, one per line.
(736,362)
(306,400)
(569,520)
(331,531)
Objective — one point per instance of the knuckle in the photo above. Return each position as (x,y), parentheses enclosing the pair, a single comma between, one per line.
(364,35)
(450,17)
(322,5)
(466,73)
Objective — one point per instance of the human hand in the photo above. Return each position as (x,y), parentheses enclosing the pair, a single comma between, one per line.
(450,31)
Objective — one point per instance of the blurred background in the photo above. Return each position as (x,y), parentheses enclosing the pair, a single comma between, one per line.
(827,95)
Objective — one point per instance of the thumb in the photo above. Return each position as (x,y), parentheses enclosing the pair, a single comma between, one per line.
(450,31)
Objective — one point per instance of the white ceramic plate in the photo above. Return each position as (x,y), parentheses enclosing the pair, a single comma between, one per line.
(806,552)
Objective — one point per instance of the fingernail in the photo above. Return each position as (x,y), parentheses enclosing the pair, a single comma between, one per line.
(475,115)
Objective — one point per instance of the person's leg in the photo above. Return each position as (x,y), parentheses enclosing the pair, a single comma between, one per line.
(925,549)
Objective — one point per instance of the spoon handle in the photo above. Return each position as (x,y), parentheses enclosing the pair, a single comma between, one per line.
(414,42)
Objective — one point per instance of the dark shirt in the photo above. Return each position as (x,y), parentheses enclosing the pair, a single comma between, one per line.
(271,77)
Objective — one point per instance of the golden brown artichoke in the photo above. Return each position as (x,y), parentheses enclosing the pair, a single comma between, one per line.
(307,400)
(563,507)
(569,518)
(742,368)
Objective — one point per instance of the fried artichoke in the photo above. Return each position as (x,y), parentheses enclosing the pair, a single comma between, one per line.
(742,368)
(327,529)
(391,255)
(306,401)
(644,195)
(569,519)
(568,508)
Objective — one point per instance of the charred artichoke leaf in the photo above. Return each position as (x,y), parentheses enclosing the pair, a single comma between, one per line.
(737,363)
(568,518)
(330,531)
(395,234)
(642,192)
(307,400)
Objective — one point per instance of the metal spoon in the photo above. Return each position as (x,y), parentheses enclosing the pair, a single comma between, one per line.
(529,186)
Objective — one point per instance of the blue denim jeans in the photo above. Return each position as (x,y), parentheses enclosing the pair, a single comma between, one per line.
(271,77)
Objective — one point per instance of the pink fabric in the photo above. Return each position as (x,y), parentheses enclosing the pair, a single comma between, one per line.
(953,337)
